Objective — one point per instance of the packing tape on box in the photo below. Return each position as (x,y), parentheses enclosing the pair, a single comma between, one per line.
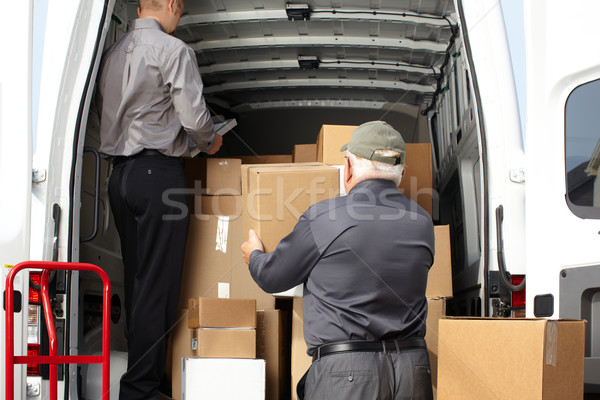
(551,343)
(222,232)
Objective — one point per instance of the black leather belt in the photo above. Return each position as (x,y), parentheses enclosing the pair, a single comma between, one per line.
(359,345)
(144,153)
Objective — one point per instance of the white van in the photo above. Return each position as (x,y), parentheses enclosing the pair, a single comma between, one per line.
(438,70)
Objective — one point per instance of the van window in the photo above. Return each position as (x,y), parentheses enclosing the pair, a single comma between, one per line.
(582,150)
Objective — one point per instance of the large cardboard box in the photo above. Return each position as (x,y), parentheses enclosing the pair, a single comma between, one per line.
(217,176)
(436,310)
(418,179)
(223,379)
(224,205)
(494,358)
(275,195)
(212,254)
(267,159)
(272,346)
(439,279)
(207,312)
(223,343)
(305,153)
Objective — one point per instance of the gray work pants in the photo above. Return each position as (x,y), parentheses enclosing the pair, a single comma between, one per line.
(369,376)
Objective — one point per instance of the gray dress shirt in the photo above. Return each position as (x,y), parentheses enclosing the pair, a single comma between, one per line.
(149,88)
(364,260)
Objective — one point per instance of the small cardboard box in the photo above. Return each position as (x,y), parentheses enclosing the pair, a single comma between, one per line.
(217,176)
(212,254)
(331,138)
(219,205)
(267,159)
(207,312)
(497,358)
(439,279)
(223,343)
(305,153)
(205,378)
(275,195)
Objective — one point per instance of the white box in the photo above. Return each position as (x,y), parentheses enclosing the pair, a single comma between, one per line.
(222,378)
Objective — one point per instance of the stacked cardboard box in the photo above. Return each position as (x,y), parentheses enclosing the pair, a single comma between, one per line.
(215,328)
(267,159)
(215,184)
(305,153)
(517,358)
(417,183)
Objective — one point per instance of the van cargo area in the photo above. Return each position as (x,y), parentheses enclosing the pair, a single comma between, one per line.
(516,231)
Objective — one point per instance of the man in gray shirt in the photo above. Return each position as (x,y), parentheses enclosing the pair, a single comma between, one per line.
(364,260)
(151,105)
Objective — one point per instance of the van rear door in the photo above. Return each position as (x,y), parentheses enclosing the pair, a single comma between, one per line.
(15,162)
(563,154)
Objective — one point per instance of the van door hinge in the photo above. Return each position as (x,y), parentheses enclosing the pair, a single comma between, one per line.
(517,175)
(38,175)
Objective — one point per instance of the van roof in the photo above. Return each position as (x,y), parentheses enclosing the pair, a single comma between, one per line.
(267,54)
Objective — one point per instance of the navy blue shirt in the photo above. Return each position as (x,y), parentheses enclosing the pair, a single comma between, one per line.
(363,259)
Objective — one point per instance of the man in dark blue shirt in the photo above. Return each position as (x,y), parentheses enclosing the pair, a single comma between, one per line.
(364,260)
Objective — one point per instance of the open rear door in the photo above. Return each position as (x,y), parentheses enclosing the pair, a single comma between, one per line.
(15,164)
(563,150)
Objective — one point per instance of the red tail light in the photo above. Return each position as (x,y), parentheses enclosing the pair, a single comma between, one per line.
(33,369)
(518,298)
(34,294)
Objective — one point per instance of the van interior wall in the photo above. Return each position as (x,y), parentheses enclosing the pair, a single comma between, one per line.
(276,131)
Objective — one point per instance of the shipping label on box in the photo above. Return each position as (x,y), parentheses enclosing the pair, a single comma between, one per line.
(497,358)
(207,312)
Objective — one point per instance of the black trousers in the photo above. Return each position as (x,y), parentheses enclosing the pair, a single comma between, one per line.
(150,211)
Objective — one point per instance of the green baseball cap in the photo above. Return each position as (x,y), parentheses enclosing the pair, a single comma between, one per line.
(376,135)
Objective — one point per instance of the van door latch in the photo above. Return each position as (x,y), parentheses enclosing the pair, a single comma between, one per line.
(38,175)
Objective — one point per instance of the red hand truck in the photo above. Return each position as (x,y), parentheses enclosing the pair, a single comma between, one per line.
(53,359)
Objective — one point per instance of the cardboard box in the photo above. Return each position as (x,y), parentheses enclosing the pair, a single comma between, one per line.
(436,310)
(331,138)
(272,346)
(205,378)
(267,159)
(439,279)
(223,343)
(494,358)
(418,179)
(305,153)
(212,253)
(221,313)
(217,176)
(275,195)
(219,205)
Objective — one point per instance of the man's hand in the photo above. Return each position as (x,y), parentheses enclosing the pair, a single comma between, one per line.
(253,243)
(216,146)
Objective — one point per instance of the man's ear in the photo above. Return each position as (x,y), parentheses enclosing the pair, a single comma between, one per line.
(347,170)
